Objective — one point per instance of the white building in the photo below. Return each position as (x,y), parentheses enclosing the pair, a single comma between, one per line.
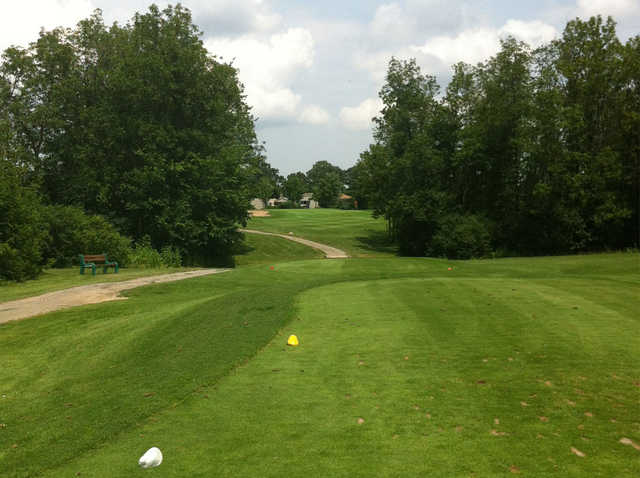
(308,202)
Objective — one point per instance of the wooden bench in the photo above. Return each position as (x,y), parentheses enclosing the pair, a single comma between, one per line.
(90,261)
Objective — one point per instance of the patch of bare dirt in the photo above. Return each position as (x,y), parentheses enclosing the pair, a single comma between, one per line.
(259,213)
(86,294)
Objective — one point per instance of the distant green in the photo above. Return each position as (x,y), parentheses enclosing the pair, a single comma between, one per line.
(355,232)
(490,368)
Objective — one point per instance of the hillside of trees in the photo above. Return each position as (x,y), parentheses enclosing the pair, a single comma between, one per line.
(117,134)
(531,152)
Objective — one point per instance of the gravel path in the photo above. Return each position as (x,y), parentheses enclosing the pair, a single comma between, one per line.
(329,252)
(86,294)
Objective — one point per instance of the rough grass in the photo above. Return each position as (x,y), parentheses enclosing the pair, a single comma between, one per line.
(355,232)
(404,369)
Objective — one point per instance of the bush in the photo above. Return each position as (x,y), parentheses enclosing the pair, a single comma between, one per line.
(346,204)
(22,231)
(144,255)
(72,232)
(287,205)
(171,256)
(461,237)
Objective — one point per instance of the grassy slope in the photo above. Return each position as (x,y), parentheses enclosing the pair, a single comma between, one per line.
(88,390)
(356,232)
(56,279)
(268,250)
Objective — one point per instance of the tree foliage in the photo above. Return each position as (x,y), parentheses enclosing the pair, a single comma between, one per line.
(295,186)
(536,151)
(22,227)
(326,181)
(138,123)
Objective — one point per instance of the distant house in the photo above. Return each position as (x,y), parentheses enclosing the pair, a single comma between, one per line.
(308,202)
(273,202)
(257,203)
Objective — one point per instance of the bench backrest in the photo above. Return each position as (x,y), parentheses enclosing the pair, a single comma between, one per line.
(93,257)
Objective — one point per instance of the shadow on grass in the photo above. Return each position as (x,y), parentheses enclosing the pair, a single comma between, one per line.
(377,241)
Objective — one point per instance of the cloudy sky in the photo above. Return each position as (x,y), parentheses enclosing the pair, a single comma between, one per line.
(312,69)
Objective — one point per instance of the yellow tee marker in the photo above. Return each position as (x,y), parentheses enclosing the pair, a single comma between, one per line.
(293,340)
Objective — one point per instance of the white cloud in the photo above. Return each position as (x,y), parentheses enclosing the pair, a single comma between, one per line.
(390,21)
(470,46)
(20,21)
(478,44)
(535,33)
(313,114)
(222,17)
(359,117)
(268,67)
(616,8)
(374,62)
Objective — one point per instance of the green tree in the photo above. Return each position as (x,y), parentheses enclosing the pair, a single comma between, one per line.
(326,182)
(295,186)
(327,188)
(22,229)
(405,167)
(139,123)
(590,62)
(630,124)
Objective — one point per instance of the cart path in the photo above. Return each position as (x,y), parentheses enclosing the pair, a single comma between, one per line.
(329,252)
(86,294)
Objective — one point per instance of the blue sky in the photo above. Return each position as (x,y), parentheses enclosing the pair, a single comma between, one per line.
(312,69)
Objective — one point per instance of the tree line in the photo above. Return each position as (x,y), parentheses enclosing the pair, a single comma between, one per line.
(135,131)
(534,151)
(324,180)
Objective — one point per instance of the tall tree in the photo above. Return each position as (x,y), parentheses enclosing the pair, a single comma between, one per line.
(326,181)
(590,62)
(139,123)
(295,186)
(630,124)
(407,163)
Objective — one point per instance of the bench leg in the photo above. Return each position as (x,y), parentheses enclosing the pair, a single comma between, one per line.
(93,270)
(81,270)
(117,268)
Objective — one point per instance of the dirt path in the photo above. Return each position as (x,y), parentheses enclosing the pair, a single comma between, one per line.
(329,252)
(86,294)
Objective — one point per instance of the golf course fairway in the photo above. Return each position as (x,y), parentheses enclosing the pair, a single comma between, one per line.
(404,368)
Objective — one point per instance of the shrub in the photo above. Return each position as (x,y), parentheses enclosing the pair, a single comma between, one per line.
(144,255)
(171,256)
(72,232)
(287,205)
(346,204)
(461,237)
(22,235)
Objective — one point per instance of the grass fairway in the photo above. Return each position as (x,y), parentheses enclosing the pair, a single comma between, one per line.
(404,369)
(355,232)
